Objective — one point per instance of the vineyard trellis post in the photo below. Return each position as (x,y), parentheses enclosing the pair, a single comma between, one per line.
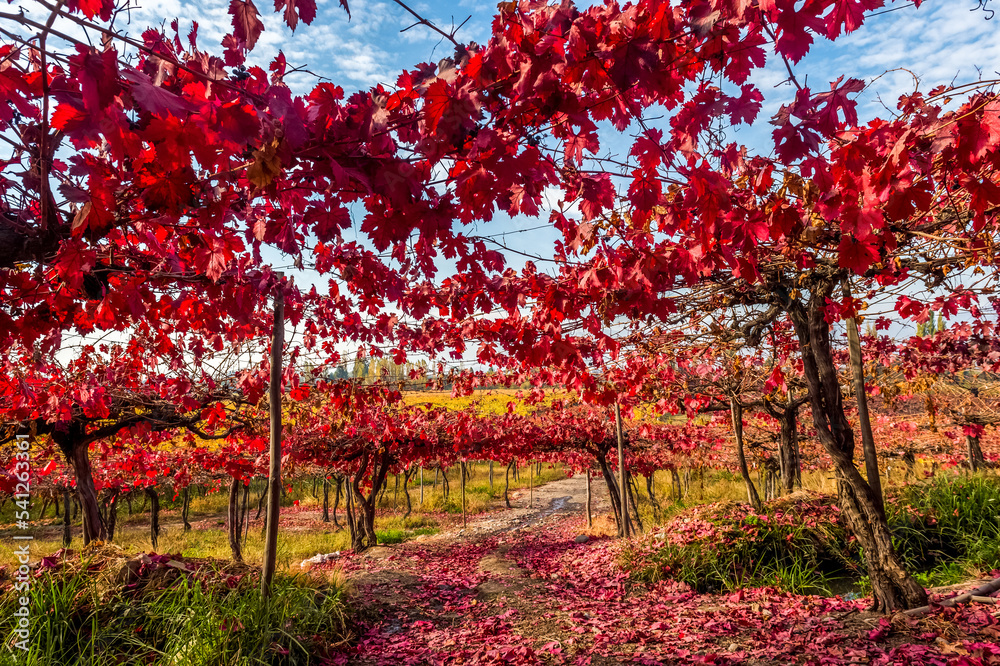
(274,473)
(867,438)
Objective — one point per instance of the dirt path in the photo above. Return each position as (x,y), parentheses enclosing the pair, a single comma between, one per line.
(566,497)
(462,591)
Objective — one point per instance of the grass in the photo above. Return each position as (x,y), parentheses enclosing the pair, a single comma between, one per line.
(946,529)
(794,545)
(82,619)
(303,534)
(219,620)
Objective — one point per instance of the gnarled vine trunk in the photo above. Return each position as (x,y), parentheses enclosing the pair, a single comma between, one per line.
(894,589)
(406,491)
(154,515)
(977,460)
(326,500)
(736,409)
(506,486)
(67,526)
(77,451)
(186,508)
(336,500)
(361,507)
(234,522)
(650,481)
(633,497)
(788,459)
(623,522)
(110,513)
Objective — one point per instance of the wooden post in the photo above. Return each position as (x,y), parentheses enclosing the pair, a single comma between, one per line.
(421,485)
(274,474)
(621,470)
(590,515)
(463,495)
(867,439)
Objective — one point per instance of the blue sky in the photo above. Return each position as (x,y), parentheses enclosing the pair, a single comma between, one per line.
(941,41)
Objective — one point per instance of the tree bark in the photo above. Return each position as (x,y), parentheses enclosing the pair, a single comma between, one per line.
(625,525)
(261,500)
(274,471)
(78,456)
(406,491)
(506,487)
(677,481)
(977,460)
(245,511)
(463,470)
(336,500)
(736,411)
(110,515)
(531,485)
(791,467)
(234,523)
(361,508)
(894,589)
(67,527)
(633,495)
(326,500)
(154,515)
(186,508)
(650,481)
(621,518)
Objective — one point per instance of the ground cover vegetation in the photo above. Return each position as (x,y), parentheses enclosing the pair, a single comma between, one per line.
(709,310)
(945,530)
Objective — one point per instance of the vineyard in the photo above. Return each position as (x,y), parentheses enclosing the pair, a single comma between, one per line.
(610,338)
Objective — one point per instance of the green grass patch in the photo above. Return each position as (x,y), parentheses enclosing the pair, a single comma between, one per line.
(163,617)
(947,530)
(795,545)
